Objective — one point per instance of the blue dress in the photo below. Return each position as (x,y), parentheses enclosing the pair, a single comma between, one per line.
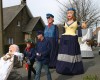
(51,34)
(69,56)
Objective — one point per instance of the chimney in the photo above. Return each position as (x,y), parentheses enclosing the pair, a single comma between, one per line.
(23,1)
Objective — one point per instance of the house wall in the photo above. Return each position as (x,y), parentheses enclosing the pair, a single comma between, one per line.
(14,31)
(39,26)
(34,36)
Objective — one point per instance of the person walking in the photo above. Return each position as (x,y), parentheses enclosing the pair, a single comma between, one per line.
(42,56)
(29,56)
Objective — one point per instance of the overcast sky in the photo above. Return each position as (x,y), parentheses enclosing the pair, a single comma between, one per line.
(42,7)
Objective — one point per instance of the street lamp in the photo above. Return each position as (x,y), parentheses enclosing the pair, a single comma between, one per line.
(1,29)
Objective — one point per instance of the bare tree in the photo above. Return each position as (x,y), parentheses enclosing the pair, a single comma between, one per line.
(85,11)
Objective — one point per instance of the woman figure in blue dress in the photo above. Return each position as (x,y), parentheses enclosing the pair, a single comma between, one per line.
(69,60)
(51,34)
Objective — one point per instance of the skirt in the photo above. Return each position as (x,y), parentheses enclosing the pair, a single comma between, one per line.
(69,60)
(53,52)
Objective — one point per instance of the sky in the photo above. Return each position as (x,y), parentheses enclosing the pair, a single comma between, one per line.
(42,7)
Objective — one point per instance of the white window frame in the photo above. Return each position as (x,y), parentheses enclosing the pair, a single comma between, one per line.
(18,23)
(10,40)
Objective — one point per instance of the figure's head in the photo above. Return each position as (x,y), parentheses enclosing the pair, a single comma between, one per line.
(71,14)
(29,43)
(13,48)
(40,35)
(50,18)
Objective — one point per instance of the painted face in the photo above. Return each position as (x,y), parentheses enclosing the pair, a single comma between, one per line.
(39,37)
(70,14)
(28,45)
(50,20)
(12,49)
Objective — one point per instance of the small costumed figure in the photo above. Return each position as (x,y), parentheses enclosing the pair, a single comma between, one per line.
(29,56)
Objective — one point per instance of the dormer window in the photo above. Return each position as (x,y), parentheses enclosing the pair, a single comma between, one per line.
(10,40)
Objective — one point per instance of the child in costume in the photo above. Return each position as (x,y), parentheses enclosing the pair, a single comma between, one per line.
(29,56)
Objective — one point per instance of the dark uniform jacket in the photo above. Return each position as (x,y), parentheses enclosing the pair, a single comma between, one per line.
(43,48)
(30,55)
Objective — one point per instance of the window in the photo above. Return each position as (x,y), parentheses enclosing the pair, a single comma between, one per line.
(18,23)
(27,36)
(10,40)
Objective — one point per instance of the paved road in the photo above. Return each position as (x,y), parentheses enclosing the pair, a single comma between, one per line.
(91,66)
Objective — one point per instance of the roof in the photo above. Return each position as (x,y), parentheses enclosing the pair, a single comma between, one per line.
(10,13)
(32,23)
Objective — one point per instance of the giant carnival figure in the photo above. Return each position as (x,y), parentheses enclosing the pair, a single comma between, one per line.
(51,34)
(69,56)
(85,46)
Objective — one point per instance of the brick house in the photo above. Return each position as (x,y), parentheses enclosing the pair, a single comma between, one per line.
(19,24)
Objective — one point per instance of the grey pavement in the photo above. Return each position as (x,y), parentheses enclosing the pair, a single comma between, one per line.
(91,67)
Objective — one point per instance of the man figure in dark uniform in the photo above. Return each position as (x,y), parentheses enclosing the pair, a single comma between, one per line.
(42,56)
(51,34)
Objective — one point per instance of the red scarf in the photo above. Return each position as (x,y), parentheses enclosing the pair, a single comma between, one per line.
(49,25)
(28,49)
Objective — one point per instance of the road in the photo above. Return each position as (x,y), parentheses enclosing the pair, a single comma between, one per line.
(91,67)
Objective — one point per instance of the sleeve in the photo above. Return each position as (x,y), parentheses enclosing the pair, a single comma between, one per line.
(79,29)
(45,29)
(46,52)
(32,54)
(56,33)
(63,28)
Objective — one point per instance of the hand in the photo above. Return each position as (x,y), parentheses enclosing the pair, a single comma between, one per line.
(84,24)
(38,54)
(28,62)
(24,61)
